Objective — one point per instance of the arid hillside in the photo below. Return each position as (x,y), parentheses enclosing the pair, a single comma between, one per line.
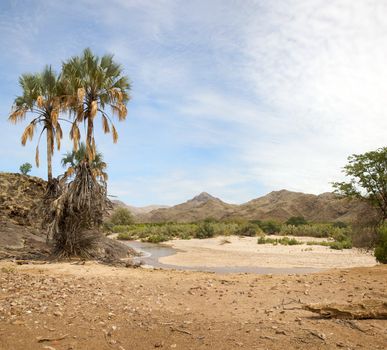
(277,205)
(138,210)
(198,208)
(19,197)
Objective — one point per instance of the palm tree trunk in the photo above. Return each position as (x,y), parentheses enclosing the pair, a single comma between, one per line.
(49,154)
(89,139)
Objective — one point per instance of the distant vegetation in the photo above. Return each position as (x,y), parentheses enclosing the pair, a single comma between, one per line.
(296,221)
(25,168)
(339,237)
(121,216)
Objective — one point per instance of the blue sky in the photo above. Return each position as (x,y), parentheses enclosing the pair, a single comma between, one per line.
(236,98)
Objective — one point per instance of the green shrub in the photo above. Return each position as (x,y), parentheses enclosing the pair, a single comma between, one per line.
(288,241)
(347,244)
(381,246)
(340,236)
(121,216)
(316,230)
(120,228)
(25,168)
(125,236)
(275,241)
(205,230)
(340,224)
(296,221)
(248,230)
(156,238)
(341,245)
(267,240)
(270,227)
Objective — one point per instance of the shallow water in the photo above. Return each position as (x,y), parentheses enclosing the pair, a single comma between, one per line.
(151,253)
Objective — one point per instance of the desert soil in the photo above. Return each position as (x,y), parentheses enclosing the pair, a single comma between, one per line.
(70,306)
(244,251)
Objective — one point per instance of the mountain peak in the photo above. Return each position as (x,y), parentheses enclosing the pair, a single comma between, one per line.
(203,197)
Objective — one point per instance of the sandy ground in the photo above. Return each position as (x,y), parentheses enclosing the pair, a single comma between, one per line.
(91,306)
(244,251)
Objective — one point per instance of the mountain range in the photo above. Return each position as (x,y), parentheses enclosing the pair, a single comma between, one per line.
(277,205)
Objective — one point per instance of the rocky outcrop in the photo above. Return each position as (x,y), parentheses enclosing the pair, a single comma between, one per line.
(20,196)
(21,235)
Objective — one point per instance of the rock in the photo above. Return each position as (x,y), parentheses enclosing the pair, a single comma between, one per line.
(368,309)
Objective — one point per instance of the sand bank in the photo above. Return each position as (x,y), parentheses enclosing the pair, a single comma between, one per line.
(244,251)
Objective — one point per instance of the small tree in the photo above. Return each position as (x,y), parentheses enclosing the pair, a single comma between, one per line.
(367,179)
(25,168)
(296,221)
(121,216)
(270,227)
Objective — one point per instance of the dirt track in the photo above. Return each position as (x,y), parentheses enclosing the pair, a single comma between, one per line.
(98,307)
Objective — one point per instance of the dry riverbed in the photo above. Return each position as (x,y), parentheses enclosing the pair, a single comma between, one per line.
(92,306)
(234,251)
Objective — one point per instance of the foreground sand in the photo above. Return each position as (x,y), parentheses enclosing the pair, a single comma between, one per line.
(244,251)
(64,306)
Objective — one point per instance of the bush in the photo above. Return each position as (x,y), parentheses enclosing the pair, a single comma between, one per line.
(296,221)
(120,228)
(288,241)
(340,236)
(248,230)
(333,245)
(265,240)
(125,236)
(205,230)
(270,227)
(381,246)
(341,245)
(275,241)
(340,224)
(25,168)
(121,216)
(315,230)
(156,238)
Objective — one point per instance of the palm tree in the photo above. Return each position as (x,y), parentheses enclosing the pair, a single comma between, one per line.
(42,96)
(74,158)
(92,85)
(95,83)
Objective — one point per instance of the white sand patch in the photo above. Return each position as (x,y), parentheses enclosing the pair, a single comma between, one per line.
(213,252)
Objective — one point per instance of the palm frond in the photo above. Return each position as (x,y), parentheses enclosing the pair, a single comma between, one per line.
(105,125)
(40,101)
(28,133)
(58,136)
(115,134)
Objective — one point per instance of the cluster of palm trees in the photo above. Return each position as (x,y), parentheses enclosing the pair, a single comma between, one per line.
(85,89)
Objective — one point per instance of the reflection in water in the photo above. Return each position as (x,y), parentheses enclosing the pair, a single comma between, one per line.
(151,252)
